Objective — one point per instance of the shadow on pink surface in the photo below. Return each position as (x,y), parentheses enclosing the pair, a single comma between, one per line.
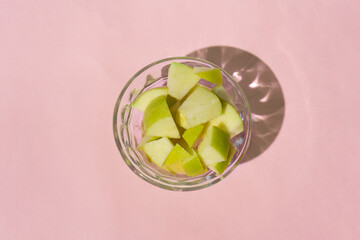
(260,86)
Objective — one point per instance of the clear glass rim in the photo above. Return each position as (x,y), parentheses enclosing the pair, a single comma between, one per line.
(149,178)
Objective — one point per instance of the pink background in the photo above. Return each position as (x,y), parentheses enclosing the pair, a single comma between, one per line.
(62,65)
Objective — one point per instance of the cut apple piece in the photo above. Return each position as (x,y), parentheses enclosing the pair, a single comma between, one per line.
(158,150)
(193,165)
(220,167)
(181,79)
(192,134)
(158,121)
(200,106)
(175,106)
(143,100)
(144,140)
(229,121)
(209,74)
(174,160)
(220,91)
(215,146)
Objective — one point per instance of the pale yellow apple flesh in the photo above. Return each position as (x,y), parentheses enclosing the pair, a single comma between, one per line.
(144,140)
(158,121)
(209,74)
(175,105)
(200,106)
(143,100)
(181,79)
(158,150)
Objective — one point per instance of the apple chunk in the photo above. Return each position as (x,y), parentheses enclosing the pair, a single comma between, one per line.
(209,74)
(158,121)
(200,106)
(214,146)
(174,160)
(143,100)
(193,165)
(181,79)
(144,140)
(229,121)
(220,91)
(158,150)
(192,134)
(220,167)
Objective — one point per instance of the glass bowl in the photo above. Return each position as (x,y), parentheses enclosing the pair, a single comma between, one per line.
(128,133)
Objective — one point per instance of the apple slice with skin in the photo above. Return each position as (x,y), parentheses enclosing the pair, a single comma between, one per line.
(175,106)
(143,100)
(158,150)
(200,106)
(174,160)
(158,121)
(220,167)
(192,134)
(193,165)
(229,121)
(144,140)
(220,91)
(181,79)
(209,74)
(215,146)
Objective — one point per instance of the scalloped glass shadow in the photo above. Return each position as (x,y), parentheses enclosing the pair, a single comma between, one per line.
(261,87)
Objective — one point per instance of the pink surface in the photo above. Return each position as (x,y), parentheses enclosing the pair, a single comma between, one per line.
(62,65)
